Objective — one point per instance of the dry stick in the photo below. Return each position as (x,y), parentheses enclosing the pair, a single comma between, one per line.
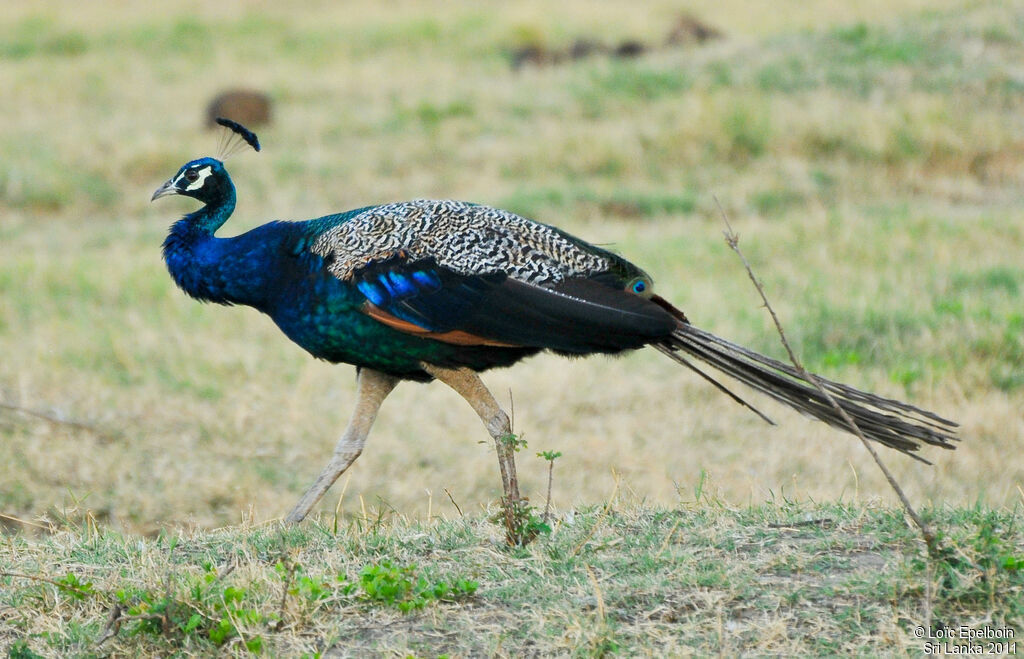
(341,499)
(117,618)
(824,522)
(290,567)
(166,622)
(113,626)
(664,545)
(551,478)
(733,240)
(452,499)
(61,586)
(597,594)
(24,521)
(52,418)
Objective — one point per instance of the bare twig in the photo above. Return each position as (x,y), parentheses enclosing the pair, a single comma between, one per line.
(24,521)
(597,593)
(668,538)
(57,419)
(117,618)
(733,240)
(59,585)
(511,411)
(823,522)
(165,621)
(228,569)
(290,567)
(113,626)
(452,499)
(341,498)
(50,417)
(547,502)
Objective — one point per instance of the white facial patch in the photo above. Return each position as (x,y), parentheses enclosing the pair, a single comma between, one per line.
(203,174)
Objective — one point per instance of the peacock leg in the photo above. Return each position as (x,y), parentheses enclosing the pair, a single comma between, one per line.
(469,385)
(373,387)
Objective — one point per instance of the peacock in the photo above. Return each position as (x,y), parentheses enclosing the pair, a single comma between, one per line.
(443,290)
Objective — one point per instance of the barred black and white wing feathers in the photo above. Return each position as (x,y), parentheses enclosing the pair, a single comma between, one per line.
(469,274)
(468,239)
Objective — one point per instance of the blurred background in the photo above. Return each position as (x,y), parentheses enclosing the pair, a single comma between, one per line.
(870,156)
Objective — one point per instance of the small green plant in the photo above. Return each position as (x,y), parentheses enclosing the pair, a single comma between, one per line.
(404,589)
(522,524)
(309,588)
(20,650)
(550,456)
(73,587)
(218,613)
(520,519)
(977,566)
(514,441)
(229,613)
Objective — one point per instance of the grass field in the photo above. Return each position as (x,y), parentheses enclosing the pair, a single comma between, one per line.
(872,167)
(619,579)
(871,158)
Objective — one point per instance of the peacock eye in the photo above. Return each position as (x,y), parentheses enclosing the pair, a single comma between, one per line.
(640,286)
(191,175)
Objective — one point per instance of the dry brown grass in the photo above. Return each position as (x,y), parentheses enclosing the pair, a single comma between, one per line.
(620,579)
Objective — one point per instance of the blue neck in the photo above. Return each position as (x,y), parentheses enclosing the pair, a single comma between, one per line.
(222,270)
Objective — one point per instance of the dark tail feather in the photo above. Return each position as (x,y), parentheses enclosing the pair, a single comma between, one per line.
(664,349)
(897,425)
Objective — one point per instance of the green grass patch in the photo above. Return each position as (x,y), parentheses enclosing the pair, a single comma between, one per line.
(429,115)
(788,75)
(829,335)
(631,580)
(637,83)
(988,281)
(35,177)
(40,35)
(861,44)
(747,131)
(776,202)
(546,202)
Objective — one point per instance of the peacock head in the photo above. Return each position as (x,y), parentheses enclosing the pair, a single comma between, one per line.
(204,179)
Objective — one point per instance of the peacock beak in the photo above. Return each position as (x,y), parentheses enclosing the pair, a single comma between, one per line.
(164,190)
